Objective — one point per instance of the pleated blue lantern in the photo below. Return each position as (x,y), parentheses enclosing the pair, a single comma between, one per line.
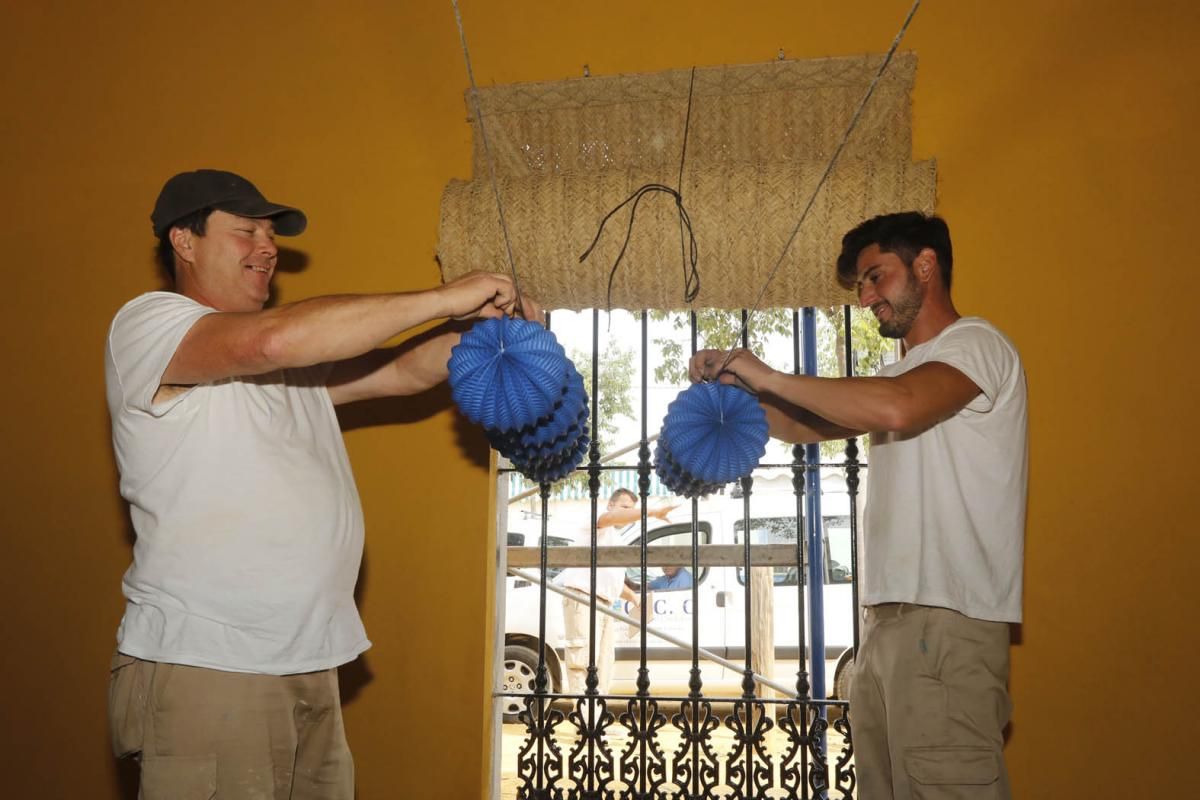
(513,378)
(675,478)
(569,414)
(553,468)
(713,433)
(507,373)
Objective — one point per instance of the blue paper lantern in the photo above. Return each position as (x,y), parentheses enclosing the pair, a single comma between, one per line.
(507,373)
(513,378)
(713,433)
(675,478)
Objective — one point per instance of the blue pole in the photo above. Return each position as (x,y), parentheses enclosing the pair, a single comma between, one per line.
(812,527)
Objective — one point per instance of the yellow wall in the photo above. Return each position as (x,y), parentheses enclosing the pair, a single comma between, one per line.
(1065,134)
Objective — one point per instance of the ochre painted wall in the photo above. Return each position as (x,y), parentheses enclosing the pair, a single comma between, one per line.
(1065,134)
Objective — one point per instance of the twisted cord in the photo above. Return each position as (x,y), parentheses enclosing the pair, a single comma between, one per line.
(487,150)
(828,170)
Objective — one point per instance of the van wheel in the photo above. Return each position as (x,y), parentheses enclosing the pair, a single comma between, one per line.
(520,670)
(843,675)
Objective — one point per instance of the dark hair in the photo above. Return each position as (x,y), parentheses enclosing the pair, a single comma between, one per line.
(906,234)
(195,222)
(622,491)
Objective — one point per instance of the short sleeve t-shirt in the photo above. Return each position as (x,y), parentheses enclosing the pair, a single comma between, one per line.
(945,515)
(609,580)
(248,525)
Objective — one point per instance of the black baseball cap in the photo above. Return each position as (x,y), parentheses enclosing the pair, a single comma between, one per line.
(188,192)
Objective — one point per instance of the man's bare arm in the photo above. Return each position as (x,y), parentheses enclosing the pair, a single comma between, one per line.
(409,368)
(797,425)
(325,329)
(628,516)
(909,402)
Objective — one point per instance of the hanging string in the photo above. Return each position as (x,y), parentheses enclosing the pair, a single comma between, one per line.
(487,151)
(691,280)
(688,250)
(825,176)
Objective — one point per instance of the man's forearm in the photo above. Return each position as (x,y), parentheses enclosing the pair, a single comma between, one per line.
(791,423)
(911,401)
(337,327)
(425,363)
(837,407)
(417,364)
(323,329)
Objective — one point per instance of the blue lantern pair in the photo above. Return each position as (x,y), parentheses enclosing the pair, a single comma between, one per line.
(713,433)
(513,377)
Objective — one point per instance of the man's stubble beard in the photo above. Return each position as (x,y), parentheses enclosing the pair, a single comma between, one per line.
(904,310)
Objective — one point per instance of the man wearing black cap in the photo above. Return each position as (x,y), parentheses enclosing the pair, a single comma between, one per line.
(249,530)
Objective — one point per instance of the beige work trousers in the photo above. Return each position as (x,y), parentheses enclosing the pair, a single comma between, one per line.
(576,617)
(929,704)
(202,733)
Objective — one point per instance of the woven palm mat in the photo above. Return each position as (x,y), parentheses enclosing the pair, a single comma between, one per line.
(760,137)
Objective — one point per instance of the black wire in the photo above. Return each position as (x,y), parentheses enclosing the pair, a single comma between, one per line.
(691,257)
(688,250)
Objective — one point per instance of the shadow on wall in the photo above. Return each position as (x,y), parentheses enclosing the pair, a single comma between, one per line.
(468,437)
(418,407)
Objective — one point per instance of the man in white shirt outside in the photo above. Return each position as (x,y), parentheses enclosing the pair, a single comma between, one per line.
(943,530)
(621,512)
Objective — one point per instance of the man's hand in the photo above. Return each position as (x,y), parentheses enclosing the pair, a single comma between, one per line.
(487,294)
(744,369)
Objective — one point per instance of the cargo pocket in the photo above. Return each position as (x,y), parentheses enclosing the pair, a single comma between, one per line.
(179,778)
(942,773)
(128,686)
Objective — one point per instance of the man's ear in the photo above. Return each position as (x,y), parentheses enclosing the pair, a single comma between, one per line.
(181,241)
(925,264)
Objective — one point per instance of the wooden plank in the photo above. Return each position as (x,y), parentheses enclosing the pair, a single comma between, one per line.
(762,626)
(711,555)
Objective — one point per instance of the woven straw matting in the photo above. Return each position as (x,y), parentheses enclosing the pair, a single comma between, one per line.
(761,136)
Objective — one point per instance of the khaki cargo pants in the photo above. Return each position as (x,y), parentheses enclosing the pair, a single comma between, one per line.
(929,704)
(202,733)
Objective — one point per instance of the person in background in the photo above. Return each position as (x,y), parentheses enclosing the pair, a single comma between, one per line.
(672,579)
(622,511)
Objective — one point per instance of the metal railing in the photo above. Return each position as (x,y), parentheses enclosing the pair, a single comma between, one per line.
(695,745)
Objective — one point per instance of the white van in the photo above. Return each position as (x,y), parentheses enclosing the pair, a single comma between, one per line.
(721,596)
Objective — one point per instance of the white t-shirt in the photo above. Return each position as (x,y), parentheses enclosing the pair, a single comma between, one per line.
(945,515)
(249,527)
(609,580)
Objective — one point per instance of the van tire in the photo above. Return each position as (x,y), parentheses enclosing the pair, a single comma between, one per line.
(520,670)
(843,675)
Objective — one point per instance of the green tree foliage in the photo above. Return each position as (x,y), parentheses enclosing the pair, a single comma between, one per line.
(614,388)
(716,329)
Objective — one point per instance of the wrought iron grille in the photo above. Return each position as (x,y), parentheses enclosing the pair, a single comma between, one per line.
(650,745)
